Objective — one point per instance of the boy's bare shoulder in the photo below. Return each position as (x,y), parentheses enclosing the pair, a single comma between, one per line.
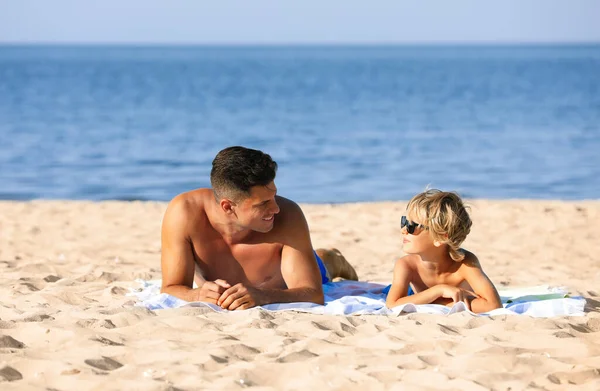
(409,260)
(470,260)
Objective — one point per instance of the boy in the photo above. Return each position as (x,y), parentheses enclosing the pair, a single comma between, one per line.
(440,272)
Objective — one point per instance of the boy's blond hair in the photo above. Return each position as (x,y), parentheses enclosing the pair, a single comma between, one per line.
(444,215)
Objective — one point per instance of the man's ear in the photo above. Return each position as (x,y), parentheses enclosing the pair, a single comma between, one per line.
(227,205)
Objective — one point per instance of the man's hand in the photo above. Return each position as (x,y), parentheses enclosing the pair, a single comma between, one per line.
(239,297)
(456,294)
(210,291)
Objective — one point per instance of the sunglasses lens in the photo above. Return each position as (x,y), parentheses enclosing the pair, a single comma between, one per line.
(410,226)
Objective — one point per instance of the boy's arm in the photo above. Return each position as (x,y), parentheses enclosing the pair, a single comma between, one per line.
(487,296)
(398,292)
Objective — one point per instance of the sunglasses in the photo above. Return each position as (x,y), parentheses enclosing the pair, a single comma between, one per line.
(410,225)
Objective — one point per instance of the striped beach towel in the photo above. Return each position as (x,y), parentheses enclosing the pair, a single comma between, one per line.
(361,298)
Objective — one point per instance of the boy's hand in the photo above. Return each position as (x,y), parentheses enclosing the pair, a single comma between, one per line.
(456,294)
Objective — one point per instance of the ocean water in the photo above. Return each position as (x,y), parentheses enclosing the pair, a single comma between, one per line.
(345,124)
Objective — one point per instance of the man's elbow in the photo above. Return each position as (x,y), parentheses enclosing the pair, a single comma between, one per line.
(318,297)
(166,288)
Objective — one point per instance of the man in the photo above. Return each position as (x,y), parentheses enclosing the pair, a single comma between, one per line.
(240,242)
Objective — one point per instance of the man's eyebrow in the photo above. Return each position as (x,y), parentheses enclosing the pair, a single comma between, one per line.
(262,203)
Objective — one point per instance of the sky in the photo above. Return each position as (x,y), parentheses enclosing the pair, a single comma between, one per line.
(298,21)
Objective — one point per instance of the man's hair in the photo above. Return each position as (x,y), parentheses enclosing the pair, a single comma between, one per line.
(445,216)
(235,170)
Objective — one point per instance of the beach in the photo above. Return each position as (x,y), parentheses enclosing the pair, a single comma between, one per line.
(66,321)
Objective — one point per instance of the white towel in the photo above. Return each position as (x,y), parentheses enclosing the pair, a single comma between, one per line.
(359,298)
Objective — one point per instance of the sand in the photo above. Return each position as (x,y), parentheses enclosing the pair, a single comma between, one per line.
(66,324)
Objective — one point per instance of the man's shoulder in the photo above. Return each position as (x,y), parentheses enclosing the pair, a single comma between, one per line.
(189,204)
(287,206)
(196,197)
(290,219)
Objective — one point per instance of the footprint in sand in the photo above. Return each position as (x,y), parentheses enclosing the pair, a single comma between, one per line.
(426,347)
(104,363)
(335,326)
(581,328)
(241,352)
(262,324)
(10,324)
(6,341)
(219,360)
(449,330)
(51,278)
(72,298)
(431,360)
(594,324)
(348,329)
(215,363)
(563,334)
(117,291)
(302,355)
(106,341)
(96,324)
(10,374)
(30,286)
(477,322)
(580,377)
(355,321)
(36,318)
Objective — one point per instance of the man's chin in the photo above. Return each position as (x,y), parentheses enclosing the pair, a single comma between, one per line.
(266,226)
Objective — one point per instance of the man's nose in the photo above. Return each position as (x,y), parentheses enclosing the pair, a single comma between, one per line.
(276,208)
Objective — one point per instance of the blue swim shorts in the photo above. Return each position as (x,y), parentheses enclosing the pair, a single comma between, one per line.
(386,290)
(322,269)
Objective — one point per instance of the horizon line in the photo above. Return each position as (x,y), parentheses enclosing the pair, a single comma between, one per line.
(303,44)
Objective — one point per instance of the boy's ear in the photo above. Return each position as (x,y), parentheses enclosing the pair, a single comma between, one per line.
(437,243)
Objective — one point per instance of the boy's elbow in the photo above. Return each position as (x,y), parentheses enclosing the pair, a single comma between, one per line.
(487,306)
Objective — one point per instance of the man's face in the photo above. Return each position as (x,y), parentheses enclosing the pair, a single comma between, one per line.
(258,210)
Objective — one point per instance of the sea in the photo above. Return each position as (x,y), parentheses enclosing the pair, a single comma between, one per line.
(344,123)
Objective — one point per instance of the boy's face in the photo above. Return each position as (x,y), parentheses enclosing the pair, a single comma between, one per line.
(419,240)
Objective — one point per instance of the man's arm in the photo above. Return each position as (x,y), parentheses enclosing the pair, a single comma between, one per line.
(177,260)
(298,267)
